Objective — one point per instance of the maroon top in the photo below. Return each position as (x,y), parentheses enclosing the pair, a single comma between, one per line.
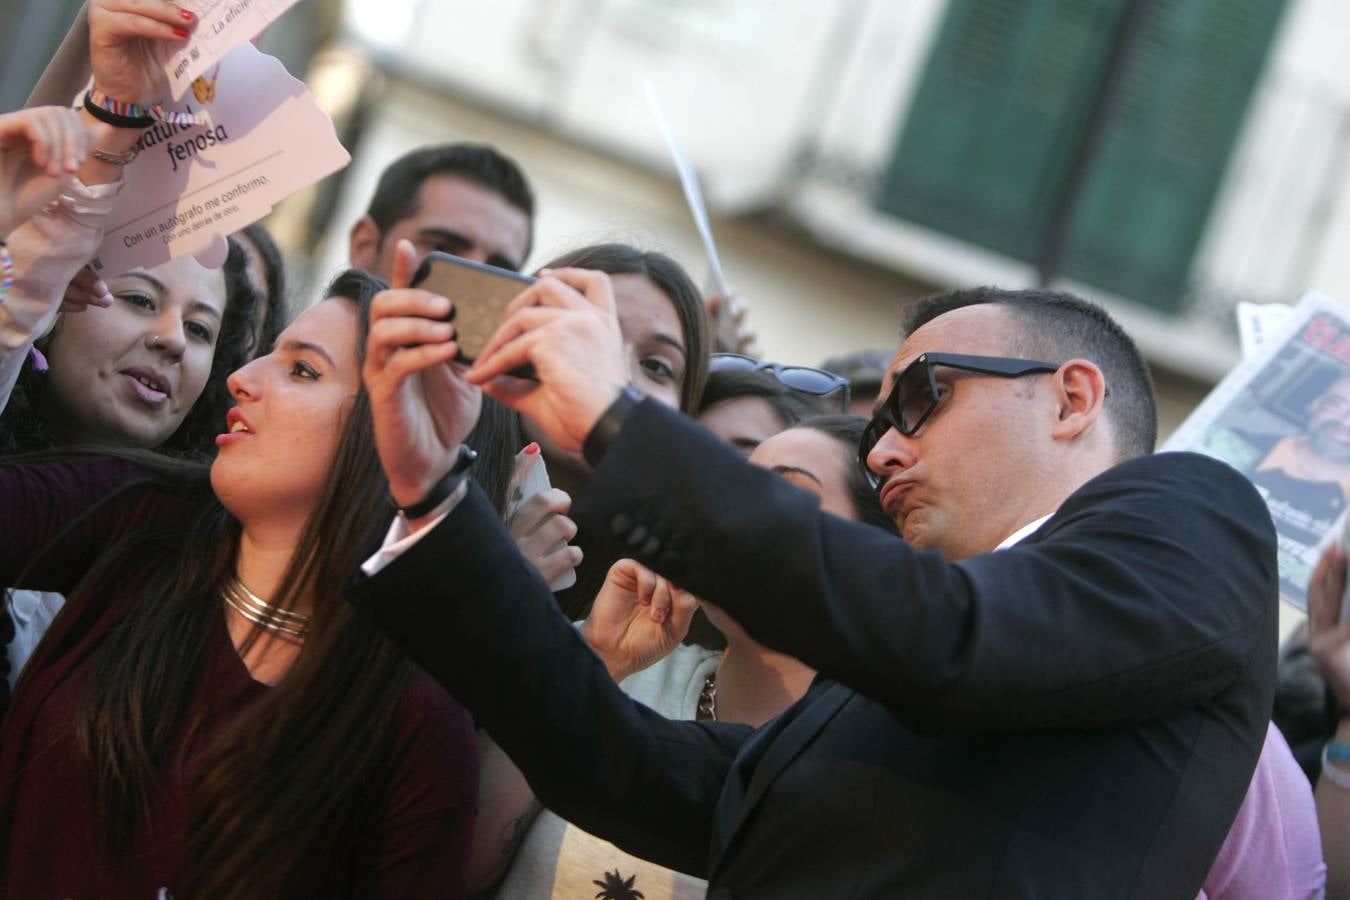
(420,846)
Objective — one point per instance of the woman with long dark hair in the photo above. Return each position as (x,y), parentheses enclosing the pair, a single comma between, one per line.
(207,716)
(666,342)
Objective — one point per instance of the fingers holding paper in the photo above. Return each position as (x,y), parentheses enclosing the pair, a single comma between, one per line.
(121,51)
(565,326)
(542,529)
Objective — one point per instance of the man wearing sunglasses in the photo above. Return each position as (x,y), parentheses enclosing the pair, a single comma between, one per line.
(1076,715)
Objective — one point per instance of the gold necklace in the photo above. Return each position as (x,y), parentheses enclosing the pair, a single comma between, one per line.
(261,613)
(707,698)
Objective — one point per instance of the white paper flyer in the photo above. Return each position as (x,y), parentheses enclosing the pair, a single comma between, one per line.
(265,138)
(221,26)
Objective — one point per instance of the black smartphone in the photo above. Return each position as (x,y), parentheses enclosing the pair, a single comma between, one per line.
(480,293)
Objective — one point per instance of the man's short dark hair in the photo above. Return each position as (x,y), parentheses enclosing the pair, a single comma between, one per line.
(733,384)
(396,193)
(1056,326)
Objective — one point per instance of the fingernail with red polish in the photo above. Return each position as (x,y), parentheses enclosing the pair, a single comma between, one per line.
(181,32)
(532,448)
(186,14)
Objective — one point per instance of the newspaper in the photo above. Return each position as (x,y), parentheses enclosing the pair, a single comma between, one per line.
(1282,418)
(1259,322)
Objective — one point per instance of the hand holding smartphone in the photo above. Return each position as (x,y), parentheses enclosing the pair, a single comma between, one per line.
(480,294)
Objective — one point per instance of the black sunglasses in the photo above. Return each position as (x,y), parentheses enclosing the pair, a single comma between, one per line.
(816,382)
(915,395)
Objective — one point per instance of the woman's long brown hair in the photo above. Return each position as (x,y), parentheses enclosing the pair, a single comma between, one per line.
(289,787)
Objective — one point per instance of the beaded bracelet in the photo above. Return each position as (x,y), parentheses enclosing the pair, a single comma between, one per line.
(122,114)
(1338,777)
(6,271)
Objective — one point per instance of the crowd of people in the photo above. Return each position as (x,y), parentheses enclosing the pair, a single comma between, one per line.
(931,621)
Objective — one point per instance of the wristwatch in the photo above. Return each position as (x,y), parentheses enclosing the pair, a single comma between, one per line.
(604,431)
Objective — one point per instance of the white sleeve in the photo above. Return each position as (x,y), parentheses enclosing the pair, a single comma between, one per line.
(48,250)
(398,540)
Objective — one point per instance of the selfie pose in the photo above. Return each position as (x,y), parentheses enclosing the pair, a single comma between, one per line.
(1076,715)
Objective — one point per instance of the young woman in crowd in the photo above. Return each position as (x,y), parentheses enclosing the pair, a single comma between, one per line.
(639,641)
(267,271)
(146,371)
(746,407)
(206,681)
(666,338)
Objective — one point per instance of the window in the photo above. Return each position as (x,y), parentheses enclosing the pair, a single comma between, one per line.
(1003,111)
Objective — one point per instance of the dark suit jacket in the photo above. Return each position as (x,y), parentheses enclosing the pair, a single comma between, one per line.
(1078,716)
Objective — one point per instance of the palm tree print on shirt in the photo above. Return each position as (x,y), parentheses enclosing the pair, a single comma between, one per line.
(614,887)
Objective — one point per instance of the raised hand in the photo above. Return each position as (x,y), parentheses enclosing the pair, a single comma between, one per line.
(121,46)
(420,403)
(637,618)
(1328,638)
(565,326)
(86,289)
(730,325)
(542,529)
(39,149)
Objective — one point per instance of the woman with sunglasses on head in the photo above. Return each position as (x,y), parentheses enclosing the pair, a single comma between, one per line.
(208,717)
(826,392)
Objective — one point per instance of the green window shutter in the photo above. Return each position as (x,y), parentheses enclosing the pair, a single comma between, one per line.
(995,124)
(995,120)
(1184,92)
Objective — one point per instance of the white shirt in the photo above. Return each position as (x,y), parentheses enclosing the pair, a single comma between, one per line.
(1023,533)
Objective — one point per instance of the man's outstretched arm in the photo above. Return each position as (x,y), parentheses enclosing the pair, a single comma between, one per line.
(465,606)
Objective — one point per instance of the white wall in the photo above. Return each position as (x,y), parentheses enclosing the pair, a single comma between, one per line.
(1269,234)
(805,304)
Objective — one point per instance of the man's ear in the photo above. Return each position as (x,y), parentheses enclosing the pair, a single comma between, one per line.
(363,244)
(1079,391)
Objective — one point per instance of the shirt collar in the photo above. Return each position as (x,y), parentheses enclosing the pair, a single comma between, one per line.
(1022,533)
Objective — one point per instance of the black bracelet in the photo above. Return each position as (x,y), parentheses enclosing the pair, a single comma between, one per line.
(443,488)
(117,120)
(604,432)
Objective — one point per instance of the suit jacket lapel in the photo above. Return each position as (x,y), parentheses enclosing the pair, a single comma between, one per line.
(774,746)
